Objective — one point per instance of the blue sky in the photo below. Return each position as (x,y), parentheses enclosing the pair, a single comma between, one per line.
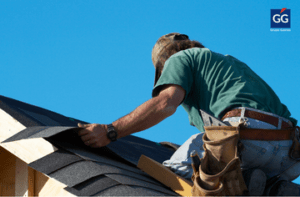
(91,60)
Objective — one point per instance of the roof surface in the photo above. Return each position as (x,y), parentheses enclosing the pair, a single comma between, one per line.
(86,171)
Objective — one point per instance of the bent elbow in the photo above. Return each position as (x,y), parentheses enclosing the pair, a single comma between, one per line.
(170,109)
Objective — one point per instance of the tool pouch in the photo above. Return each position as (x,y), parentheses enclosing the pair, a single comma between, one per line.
(219,173)
(294,151)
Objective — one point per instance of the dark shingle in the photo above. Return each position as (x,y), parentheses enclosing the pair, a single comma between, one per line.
(54,161)
(124,190)
(108,171)
(125,180)
(92,186)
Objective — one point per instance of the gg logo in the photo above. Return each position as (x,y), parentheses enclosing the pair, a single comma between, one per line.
(281,18)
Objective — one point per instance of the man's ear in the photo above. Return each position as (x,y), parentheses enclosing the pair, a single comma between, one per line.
(158,71)
(157,75)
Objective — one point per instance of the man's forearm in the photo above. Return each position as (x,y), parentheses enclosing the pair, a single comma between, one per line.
(145,116)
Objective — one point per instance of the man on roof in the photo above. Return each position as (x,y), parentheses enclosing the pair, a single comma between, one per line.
(188,74)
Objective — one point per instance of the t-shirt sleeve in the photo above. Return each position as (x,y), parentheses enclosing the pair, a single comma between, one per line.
(178,70)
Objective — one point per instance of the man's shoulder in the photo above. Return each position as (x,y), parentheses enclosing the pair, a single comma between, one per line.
(194,51)
(192,54)
(196,56)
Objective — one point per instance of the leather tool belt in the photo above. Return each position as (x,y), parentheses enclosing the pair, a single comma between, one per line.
(294,151)
(267,134)
(258,116)
(286,133)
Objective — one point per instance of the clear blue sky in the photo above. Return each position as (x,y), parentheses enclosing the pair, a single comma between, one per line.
(91,60)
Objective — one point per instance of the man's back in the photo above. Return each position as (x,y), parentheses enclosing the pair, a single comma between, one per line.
(217,83)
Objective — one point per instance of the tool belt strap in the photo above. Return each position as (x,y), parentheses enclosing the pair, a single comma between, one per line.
(258,116)
(267,134)
(250,134)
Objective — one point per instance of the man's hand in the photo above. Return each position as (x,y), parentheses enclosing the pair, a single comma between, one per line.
(94,135)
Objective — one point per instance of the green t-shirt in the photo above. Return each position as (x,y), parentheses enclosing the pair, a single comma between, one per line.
(214,83)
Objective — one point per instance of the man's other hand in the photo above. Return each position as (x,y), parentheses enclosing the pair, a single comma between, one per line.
(94,135)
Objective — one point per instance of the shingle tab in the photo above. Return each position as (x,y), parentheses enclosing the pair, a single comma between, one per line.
(81,171)
(45,120)
(55,161)
(131,149)
(97,155)
(124,190)
(92,186)
(40,132)
(125,180)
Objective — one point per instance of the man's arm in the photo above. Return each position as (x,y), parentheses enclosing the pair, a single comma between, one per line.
(143,117)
